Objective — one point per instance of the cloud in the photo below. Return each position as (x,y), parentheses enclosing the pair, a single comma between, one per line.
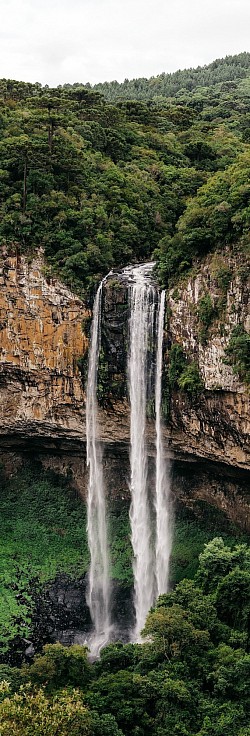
(57,41)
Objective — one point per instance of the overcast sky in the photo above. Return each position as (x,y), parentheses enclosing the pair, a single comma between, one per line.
(57,41)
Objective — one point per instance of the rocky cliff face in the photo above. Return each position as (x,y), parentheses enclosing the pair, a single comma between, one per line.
(214,425)
(41,340)
(42,407)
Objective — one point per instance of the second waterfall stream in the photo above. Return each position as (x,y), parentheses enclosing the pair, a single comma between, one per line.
(98,595)
(149,510)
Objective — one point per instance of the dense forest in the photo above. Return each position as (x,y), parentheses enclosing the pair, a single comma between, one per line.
(100,183)
(222,75)
(190,677)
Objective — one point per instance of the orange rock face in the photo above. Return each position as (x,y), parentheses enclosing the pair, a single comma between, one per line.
(42,402)
(41,340)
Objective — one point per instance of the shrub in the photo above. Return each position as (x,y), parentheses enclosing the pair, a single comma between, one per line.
(190,379)
(224,276)
(238,353)
(177,363)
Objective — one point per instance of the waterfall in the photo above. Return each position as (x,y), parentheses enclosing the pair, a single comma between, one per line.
(141,295)
(149,510)
(162,481)
(99,584)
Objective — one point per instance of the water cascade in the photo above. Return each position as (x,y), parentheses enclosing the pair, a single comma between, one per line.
(99,583)
(142,314)
(149,510)
(162,480)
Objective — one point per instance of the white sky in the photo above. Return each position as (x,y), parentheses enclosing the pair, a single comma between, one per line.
(57,41)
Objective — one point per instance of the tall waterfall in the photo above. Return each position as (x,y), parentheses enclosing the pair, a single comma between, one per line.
(149,510)
(99,584)
(141,295)
(150,527)
(162,481)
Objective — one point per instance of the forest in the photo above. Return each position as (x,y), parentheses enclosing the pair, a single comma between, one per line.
(99,183)
(190,676)
(98,178)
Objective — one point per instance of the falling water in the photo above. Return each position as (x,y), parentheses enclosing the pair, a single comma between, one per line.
(141,295)
(150,528)
(99,585)
(162,483)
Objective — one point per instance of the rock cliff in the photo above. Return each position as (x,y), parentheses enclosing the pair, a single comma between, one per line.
(214,425)
(41,340)
(42,408)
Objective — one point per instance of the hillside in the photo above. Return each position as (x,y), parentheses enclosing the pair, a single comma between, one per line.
(231,69)
(99,184)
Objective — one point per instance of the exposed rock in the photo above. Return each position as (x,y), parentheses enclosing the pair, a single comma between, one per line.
(41,340)
(42,409)
(216,424)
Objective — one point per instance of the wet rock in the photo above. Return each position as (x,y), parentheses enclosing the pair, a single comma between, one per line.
(42,409)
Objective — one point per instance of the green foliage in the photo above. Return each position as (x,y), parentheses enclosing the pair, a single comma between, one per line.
(177,364)
(98,184)
(217,560)
(227,72)
(121,550)
(32,712)
(59,666)
(206,315)
(182,374)
(190,677)
(217,215)
(233,598)
(190,379)
(223,276)
(238,353)
(43,533)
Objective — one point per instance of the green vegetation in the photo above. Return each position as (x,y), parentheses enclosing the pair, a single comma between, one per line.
(229,73)
(223,276)
(43,534)
(206,314)
(181,373)
(238,353)
(192,530)
(177,364)
(33,712)
(190,379)
(190,677)
(121,551)
(216,216)
(102,182)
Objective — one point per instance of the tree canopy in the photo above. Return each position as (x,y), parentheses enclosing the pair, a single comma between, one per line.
(98,183)
(190,677)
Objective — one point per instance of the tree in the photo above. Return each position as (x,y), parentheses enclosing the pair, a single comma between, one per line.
(32,713)
(58,666)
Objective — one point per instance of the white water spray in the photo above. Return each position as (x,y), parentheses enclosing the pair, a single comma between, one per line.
(141,295)
(99,584)
(162,482)
(150,523)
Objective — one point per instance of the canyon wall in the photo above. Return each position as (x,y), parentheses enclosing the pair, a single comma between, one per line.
(42,404)
(41,341)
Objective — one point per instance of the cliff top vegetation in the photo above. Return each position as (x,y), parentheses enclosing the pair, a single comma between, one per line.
(102,182)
